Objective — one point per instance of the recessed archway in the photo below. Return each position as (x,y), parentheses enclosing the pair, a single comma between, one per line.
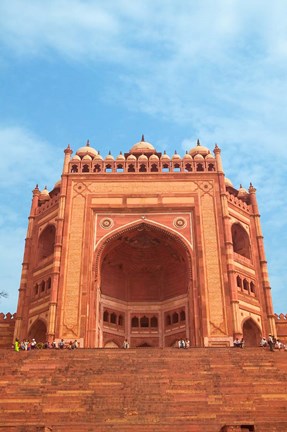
(145,273)
(251,333)
(38,331)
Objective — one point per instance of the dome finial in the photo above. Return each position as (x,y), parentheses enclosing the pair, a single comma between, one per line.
(142,138)
(88,143)
(198,142)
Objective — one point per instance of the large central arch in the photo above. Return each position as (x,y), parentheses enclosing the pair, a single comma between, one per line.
(145,287)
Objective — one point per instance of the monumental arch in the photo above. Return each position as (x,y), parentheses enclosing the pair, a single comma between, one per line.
(148,247)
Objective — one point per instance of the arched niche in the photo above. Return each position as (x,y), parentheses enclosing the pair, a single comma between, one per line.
(251,333)
(46,242)
(240,240)
(38,331)
(144,264)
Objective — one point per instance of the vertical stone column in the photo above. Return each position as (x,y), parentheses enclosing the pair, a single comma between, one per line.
(25,265)
(58,247)
(263,261)
(228,245)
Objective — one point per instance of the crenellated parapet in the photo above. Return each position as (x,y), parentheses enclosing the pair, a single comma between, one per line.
(8,317)
(7,325)
(281,326)
(238,202)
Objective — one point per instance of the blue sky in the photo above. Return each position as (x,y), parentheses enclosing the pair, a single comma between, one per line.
(109,71)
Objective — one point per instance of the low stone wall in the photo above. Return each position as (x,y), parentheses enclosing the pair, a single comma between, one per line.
(281,326)
(7,325)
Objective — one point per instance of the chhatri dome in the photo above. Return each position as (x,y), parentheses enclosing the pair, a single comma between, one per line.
(87,150)
(142,147)
(199,149)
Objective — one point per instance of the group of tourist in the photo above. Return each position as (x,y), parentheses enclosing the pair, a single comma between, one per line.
(27,345)
(183,343)
(272,343)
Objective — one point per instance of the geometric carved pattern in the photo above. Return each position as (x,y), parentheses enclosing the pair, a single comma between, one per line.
(179,223)
(106,223)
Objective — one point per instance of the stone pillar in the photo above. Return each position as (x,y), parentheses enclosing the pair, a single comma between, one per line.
(25,266)
(228,245)
(263,261)
(58,248)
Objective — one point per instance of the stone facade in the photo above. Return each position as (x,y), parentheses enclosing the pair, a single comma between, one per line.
(146,247)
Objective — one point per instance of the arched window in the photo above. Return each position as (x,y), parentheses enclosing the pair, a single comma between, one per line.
(245,285)
(153,321)
(74,169)
(175,318)
(239,281)
(252,287)
(142,168)
(131,168)
(144,321)
(106,316)
(211,167)
(46,242)
(108,168)
(182,315)
(165,167)
(42,286)
(120,168)
(168,320)
(86,168)
(188,167)
(240,240)
(176,168)
(113,318)
(49,284)
(97,168)
(199,167)
(154,168)
(135,322)
(121,320)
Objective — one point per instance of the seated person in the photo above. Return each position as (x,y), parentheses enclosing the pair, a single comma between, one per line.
(237,343)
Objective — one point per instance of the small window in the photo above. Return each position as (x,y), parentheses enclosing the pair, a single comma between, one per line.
(252,287)
(97,168)
(86,168)
(245,285)
(239,282)
(74,169)
(144,321)
(154,168)
(131,168)
(168,320)
(175,318)
(113,318)
(142,168)
(49,284)
(42,286)
(121,320)
(182,315)
(188,167)
(135,322)
(199,167)
(106,316)
(153,321)
(211,167)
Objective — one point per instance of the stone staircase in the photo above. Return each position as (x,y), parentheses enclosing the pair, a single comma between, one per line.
(147,389)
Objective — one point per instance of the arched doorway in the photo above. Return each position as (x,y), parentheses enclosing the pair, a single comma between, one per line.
(144,279)
(251,333)
(38,331)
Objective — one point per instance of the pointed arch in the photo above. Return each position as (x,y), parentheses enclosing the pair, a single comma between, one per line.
(251,332)
(240,240)
(38,331)
(46,242)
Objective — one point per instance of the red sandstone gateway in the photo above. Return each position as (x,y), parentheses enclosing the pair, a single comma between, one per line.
(144,247)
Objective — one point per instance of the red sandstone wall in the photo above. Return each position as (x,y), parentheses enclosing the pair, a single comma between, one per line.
(7,324)
(281,327)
